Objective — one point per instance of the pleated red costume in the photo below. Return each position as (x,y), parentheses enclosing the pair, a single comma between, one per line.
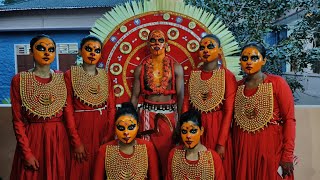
(257,155)
(45,139)
(218,167)
(217,123)
(153,168)
(95,126)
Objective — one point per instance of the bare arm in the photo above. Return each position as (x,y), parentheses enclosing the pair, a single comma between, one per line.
(179,86)
(136,86)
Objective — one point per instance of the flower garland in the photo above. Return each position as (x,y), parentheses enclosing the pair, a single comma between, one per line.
(165,78)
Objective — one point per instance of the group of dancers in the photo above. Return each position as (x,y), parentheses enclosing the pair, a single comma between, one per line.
(67,125)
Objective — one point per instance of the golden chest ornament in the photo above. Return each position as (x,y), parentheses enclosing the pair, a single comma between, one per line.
(181,169)
(92,90)
(121,168)
(255,112)
(43,99)
(207,95)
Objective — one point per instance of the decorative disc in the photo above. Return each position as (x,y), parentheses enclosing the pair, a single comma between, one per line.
(144,33)
(125,47)
(116,69)
(193,45)
(192,25)
(123,29)
(166,16)
(173,33)
(118,90)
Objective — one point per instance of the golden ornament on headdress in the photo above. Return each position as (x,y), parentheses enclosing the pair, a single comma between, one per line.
(255,112)
(206,95)
(203,169)
(134,167)
(43,99)
(90,89)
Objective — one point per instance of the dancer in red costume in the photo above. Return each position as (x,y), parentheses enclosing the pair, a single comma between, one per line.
(193,160)
(212,90)
(127,157)
(158,79)
(92,98)
(38,99)
(264,129)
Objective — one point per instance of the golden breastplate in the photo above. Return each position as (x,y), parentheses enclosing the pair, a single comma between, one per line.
(132,168)
(43,99)
(254,112)
(92,90)
(207,95)
(181,169)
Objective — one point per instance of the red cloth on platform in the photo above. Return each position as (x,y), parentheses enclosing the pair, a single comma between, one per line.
(162,140)
(217,123)
(218,167)
(45,139)
(257,155)
(153,170)
(94,128)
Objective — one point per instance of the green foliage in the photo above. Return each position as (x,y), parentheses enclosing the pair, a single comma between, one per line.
(6,101)
(252,20)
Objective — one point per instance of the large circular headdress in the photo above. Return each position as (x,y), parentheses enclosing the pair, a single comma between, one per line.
(125,29)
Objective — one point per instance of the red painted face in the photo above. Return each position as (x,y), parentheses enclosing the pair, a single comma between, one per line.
(209,50)
(44,51)
(157,42)
(126,128)
(190,134)
(251,60)
(91,52)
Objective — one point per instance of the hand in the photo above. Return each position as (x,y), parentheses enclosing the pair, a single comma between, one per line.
(287,168)
(80,153)
(220,150)
(32,163)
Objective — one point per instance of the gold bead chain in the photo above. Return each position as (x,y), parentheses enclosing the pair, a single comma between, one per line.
(92,90)
(43,99)
(206,95)
(121,168)
(181,169)
(255,112)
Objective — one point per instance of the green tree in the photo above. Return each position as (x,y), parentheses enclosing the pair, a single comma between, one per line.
(252,20)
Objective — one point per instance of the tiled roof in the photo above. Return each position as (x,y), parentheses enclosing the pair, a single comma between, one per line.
(60,4)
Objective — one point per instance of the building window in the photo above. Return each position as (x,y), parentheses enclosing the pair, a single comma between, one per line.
(66,56)
(24,60)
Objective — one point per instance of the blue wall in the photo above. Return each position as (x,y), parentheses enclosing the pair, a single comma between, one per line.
(7,59)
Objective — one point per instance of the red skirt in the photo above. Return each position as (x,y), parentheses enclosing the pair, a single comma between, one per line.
(211,123)
(50,146)
(257,155)
(92,128)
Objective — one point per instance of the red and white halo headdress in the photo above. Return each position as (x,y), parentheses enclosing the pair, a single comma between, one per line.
(125,28)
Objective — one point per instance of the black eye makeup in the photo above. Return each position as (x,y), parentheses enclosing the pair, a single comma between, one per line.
(211,46)
(201,48)
(87,48)
(183,131)
(244,58)
(97,51)
(193,131)
(120,128)
(51,49)
(40,48)
(153,40)
(254,58)
(131,127)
